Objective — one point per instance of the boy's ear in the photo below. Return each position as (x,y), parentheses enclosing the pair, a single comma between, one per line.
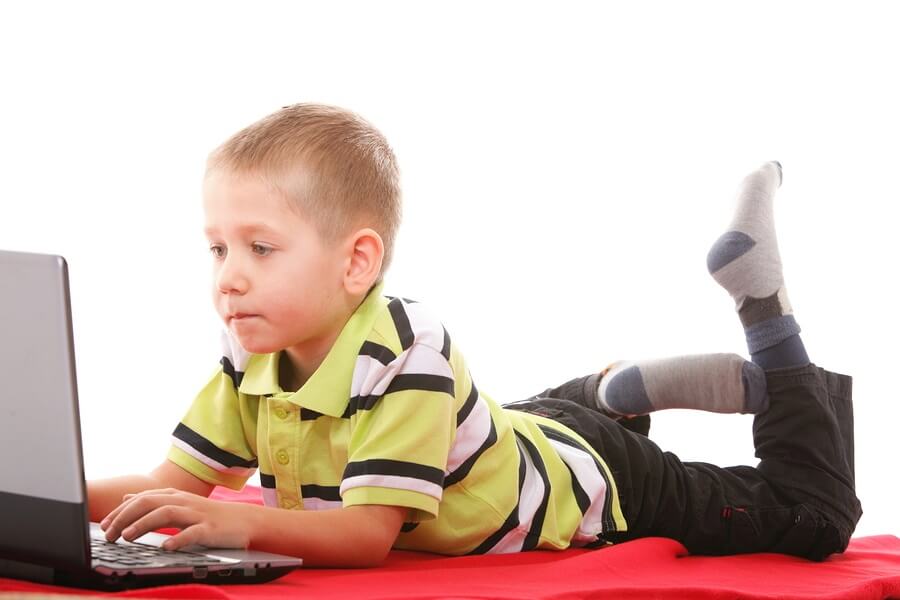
(364,265)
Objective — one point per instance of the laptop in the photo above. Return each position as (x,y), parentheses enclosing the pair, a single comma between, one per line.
(45,533)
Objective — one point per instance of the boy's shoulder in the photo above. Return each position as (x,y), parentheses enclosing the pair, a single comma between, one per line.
(402,323)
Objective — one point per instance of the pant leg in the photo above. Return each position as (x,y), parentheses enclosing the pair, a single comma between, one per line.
(583,391)
(799,500)
(806,449)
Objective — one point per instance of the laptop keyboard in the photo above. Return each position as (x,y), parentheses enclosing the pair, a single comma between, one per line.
(143,555)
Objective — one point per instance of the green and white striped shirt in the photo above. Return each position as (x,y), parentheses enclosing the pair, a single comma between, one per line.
(393,417)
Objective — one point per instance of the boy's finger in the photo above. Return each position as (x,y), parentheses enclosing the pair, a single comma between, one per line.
(185,537)
(108,519)
(128,499)
(127,513)
(125,500)
(163,516)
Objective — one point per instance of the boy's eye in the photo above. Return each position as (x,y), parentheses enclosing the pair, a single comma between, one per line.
(219,251)
(263,250)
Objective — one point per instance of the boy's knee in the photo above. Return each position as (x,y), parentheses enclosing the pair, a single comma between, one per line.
(814,535)
(800,530)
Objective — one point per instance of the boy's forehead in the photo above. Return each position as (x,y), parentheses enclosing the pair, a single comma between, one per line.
(245,218)
(258,227)
(243,205)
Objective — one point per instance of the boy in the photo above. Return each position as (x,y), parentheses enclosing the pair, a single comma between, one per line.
(369,433)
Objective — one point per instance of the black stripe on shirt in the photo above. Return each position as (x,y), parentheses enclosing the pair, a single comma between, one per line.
(401,323)
(537,524)
(609,523)
(382,354)
(445,349)
(420,382)
(468,405)
(351,407)
(210,450)
(398,468)
(581,497)
(512,521)
(401,383)
(267,481)
(463,469)
(360,403)
(323,492)
(308,414)
(228,369)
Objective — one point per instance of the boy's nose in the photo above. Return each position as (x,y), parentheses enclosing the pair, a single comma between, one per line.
(230,277)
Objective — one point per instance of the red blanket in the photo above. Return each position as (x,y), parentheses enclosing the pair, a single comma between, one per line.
(647,568)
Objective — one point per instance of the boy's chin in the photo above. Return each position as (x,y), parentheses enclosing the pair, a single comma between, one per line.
(255,345)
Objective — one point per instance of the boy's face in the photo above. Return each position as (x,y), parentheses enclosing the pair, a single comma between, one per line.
(271,265)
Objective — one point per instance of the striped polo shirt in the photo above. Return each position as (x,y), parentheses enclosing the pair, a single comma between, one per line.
(393,417)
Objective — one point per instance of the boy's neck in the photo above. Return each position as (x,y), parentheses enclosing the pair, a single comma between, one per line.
(287,378)
(297,363)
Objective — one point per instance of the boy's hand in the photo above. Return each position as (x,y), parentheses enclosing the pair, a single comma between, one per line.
(202,521)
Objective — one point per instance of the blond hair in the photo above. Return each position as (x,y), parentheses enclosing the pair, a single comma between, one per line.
(335,168)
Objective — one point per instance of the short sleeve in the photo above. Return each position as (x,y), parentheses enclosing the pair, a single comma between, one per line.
(215,441)
(401,433)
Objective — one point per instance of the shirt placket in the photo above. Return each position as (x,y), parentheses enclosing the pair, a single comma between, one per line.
(284,424)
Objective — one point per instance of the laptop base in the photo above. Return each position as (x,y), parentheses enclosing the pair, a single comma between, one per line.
(13,569)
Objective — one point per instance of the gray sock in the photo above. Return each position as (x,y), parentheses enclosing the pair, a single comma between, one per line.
(745,261)
(723,383)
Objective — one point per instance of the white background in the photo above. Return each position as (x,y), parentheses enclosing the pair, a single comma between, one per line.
(565,168)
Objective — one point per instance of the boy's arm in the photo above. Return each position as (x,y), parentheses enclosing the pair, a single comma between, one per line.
(104,495)
(354,536)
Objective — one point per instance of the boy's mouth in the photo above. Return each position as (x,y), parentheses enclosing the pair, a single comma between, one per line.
(239,316)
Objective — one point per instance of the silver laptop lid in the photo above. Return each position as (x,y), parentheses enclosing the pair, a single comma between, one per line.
(39,424)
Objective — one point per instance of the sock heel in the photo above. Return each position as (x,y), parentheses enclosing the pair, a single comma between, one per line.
(625,393)
(729,247)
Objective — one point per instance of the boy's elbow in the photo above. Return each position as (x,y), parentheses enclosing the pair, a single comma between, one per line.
(379,550)
(371,553)
(366,559)
(362,551)
(375,535)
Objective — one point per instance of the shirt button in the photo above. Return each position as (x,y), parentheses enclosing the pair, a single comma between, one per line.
(282,457)
(281,413)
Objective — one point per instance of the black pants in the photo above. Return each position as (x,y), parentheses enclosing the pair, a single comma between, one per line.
(800,499)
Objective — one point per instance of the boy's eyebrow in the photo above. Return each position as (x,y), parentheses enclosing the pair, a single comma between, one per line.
(248,228)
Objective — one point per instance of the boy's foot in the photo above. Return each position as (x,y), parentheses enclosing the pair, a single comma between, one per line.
(723,383)
(745,261)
